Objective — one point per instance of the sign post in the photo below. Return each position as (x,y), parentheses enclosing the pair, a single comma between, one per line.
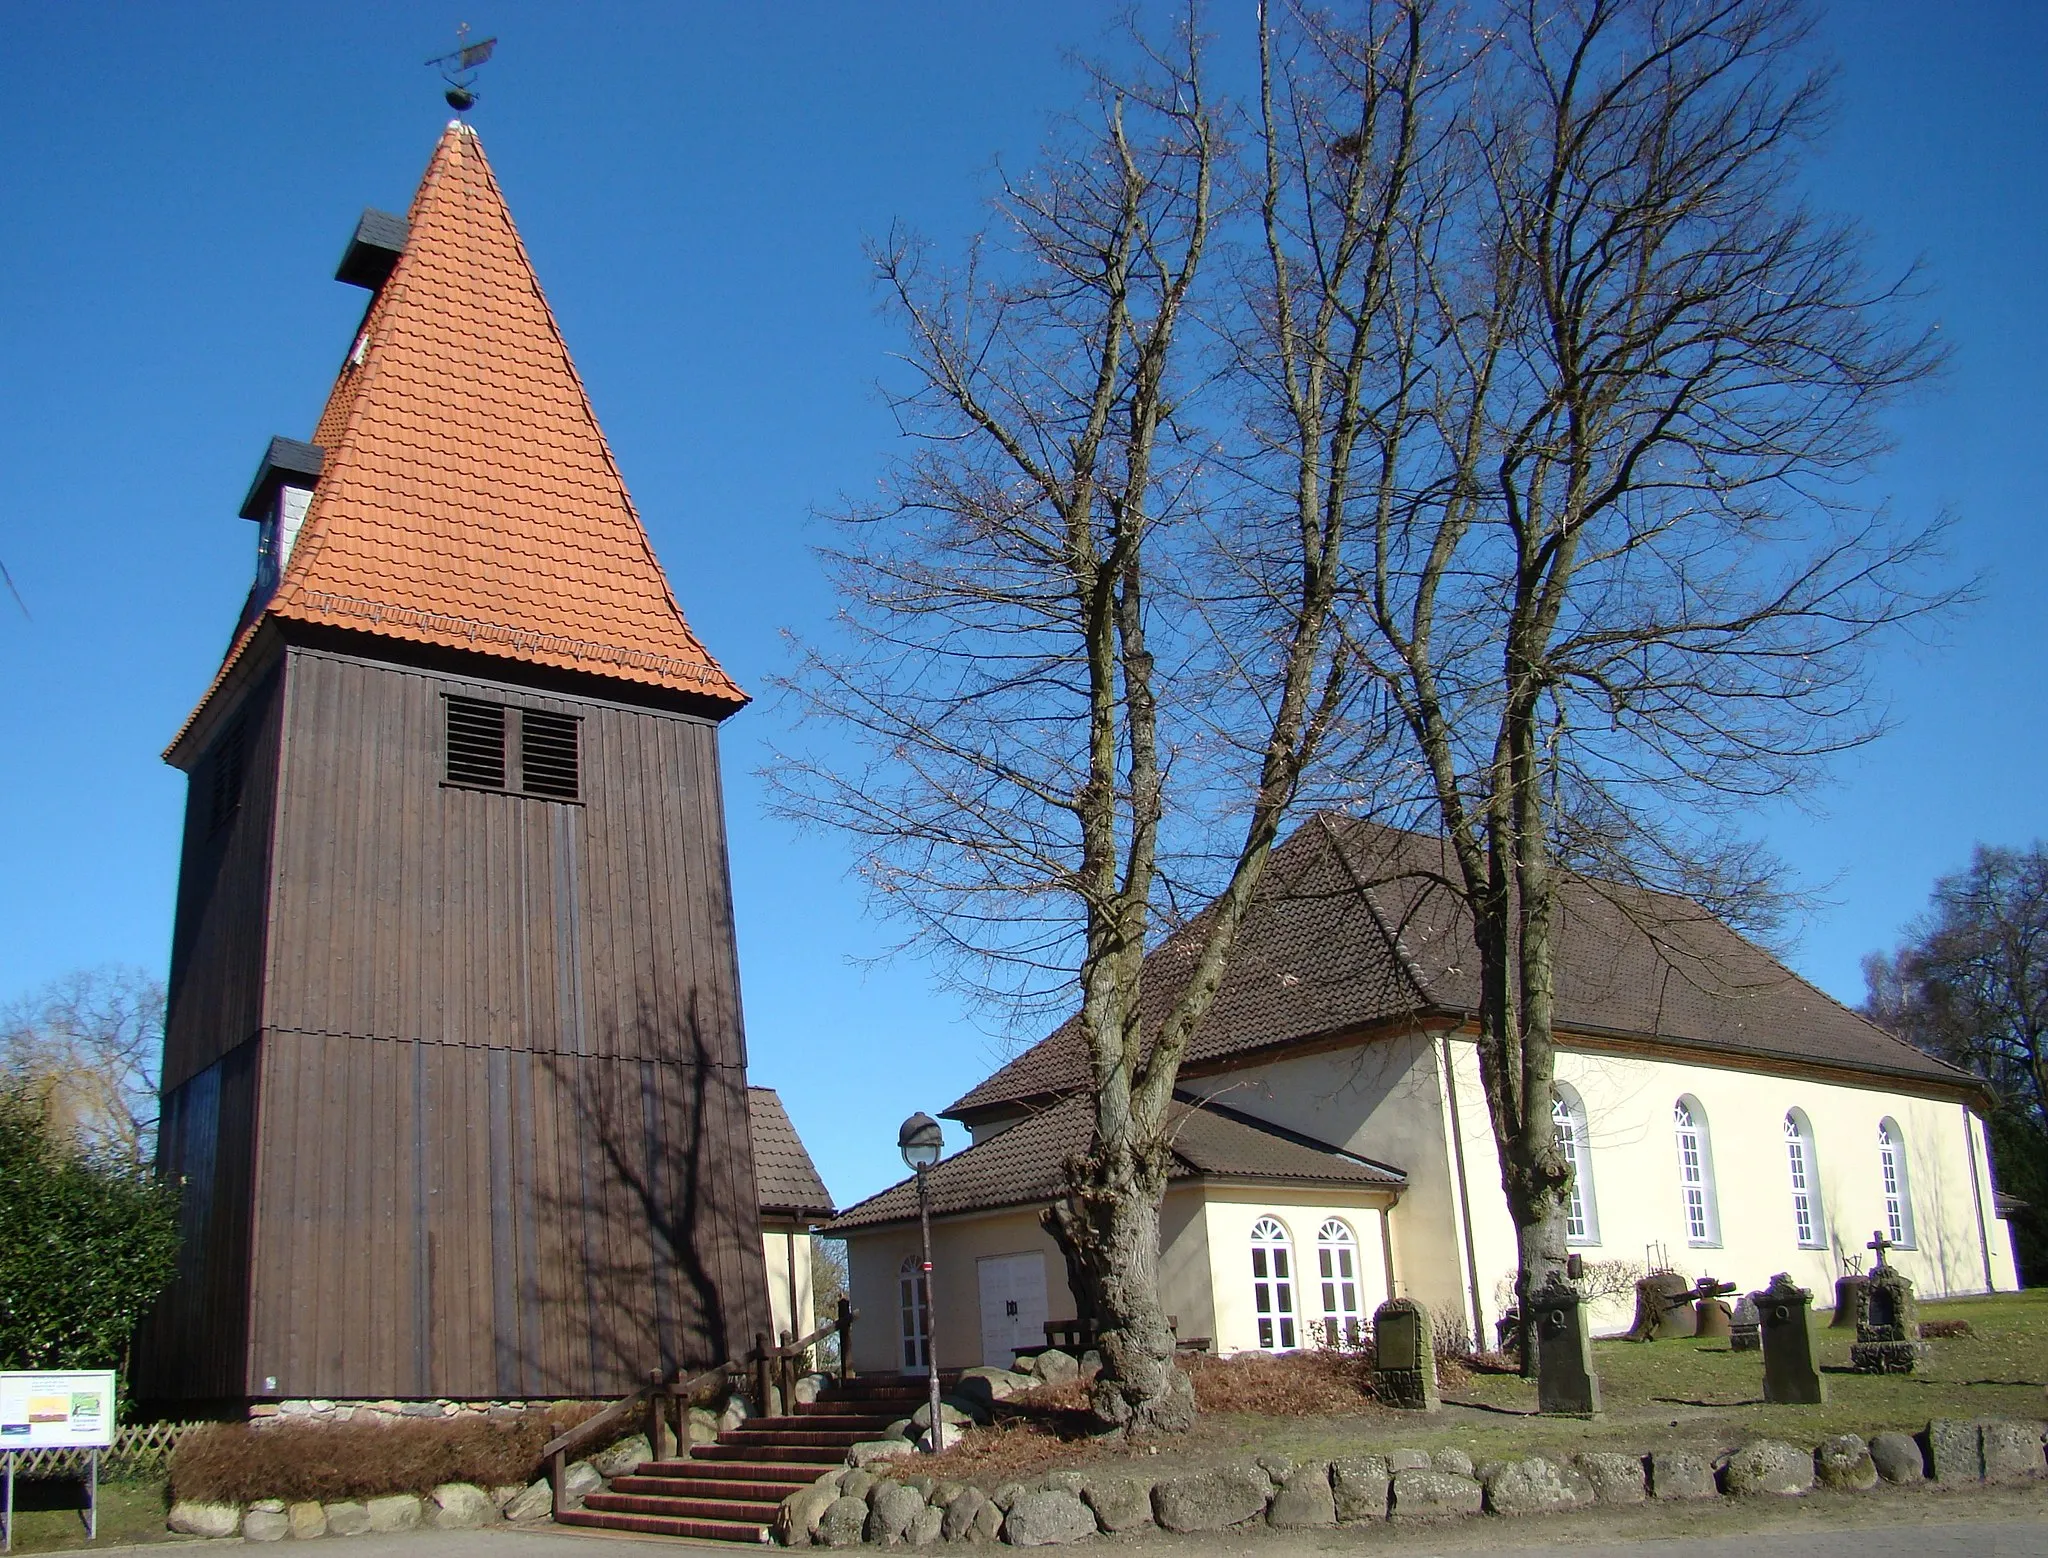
(56,1409)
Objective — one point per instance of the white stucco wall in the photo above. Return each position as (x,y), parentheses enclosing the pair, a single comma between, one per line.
(1228,1214)
(1637,1193)
(779,1246)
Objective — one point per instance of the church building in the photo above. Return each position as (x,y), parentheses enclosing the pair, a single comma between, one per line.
(454,1079)
(1332,1146)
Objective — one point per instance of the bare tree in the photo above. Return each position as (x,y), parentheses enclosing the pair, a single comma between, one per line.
(1059,722)
(88,1047)
(1612,571)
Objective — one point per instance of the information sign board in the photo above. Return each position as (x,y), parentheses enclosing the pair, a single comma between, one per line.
(56,1409)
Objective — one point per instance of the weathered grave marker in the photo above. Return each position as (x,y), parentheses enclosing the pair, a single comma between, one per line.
(1745,1330)
(1790,1377)
(1565,1381)
(1887,1318)
(1404,1355)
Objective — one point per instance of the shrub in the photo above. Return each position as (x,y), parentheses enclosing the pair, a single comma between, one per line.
(1944,1330)
(237,1462)
(87,1241)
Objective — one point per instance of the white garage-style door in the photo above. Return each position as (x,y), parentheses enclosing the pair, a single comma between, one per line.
(1012,1305)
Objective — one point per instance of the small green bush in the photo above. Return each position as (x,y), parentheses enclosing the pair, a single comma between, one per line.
(237,1462)
(87,1241)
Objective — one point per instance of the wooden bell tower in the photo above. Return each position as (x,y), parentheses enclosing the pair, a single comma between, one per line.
(455,1073)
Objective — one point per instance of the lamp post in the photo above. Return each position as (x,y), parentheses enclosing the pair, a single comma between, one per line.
(921,1142)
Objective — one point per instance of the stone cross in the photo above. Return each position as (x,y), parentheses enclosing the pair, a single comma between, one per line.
(1565,1381)
(1404,1356)
(1879,1244)
(1790,1376)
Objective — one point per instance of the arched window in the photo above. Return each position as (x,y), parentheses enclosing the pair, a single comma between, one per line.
(1807,1224)
(915,1301)
(1898,1191)
(1696,1172)
(1582,1217)
(1337,1269)
(1273,1286)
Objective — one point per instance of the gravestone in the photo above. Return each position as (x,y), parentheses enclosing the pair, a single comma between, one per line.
(1848,1295)
(1565,1381)
(1887,1319)
(1745,1330)
(1404,1356)
(1711,1318)
(1663,1309)
(1790,1377)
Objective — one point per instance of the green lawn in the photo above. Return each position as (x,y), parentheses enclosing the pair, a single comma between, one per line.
(51,1515)
(1700,1393)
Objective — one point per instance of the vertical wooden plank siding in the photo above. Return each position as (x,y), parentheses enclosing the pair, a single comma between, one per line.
(495,1085)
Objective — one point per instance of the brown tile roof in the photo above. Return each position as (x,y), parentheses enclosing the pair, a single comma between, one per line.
(1353,926)
(469,500)
(1021,1166)
(786,1181)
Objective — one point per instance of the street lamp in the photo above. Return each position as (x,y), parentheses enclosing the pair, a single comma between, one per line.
(921,1142)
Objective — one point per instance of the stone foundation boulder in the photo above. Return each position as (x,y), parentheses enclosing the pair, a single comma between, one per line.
(402,1512)
(844,1522)
(2011,1451)
(1615,1478)
(1681,1474)
(1053,1367)
(1844,1461)
(962,1514)
(1304,1499)
(190,1517)
(351,1517)
(870,1451)
(1048,1519)
(891,1509)
(308,1520)
(796,1520)
(1434,1495)
(1358,1484)
(536,1501)
(1768,1466)
(1534,1486)
(1954,1452)
(924,1530)
(266,1521)
(1211,1500)
(1897,1457)
(1120,1503)
(623,1458)
(460,1506)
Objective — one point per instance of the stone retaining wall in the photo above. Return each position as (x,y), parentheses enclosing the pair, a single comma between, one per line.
(888,1503)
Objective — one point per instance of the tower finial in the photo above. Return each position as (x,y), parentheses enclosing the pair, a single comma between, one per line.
(459,68)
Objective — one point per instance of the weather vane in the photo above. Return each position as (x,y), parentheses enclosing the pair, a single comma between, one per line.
(459,68)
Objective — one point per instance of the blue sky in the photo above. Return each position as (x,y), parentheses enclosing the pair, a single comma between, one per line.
(694,183)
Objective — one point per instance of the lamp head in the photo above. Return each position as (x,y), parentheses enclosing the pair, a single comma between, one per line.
(921,1141)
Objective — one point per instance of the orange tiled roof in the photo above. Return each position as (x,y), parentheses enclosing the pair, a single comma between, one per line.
(469,500)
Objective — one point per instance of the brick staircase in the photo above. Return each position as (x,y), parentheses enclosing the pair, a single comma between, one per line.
(729,1491)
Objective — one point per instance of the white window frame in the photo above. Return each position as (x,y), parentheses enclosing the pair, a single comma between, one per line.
(1343,1315)
(1582,1207)
(1895,1182)
(1273,1286)
(913,1308)
(1699,1206)
(1802,1168)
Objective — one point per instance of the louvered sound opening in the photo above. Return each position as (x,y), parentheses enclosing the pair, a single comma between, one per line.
(476,743)
(547,754)
(226,797)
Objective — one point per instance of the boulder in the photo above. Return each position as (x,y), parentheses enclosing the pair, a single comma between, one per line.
(1064,1481)
(307,1519)
(623,1458)
(995,1384)
(703,1426)
(943,1493)
(1407,1460)
(924,1530)
(1897,1457)
(1768,1466)
(902,1428)
(503,1493)
(1454,1461)
(855,1483)
(1053,1367)
(951,1412)
(1535,1486)
(1006,1494)
(891,1508)
(843,1523)
(2011,1451)
(1359,1484)
(809,1388)
(1422,1494)
(190,1517)
(736,1412)
(1304,1498)
(1120,1503)
(917,1480)
(958,1524)
(796,1519)
(1049,1519)
(1211,1500)
(351,1517)
(1276,1467)
(1954,1452)
(268,1506)
(1090,1363)
(401,1511)
(535,1501)
(579,1480)
(460,1506)
(1681,1474)
(265,1525)
(870,1452)
(1614,1477)
(1843,1461)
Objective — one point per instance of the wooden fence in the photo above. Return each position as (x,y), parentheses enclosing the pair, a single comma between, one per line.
(139,1450)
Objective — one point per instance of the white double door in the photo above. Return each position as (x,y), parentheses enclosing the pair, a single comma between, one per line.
(1012,1305)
